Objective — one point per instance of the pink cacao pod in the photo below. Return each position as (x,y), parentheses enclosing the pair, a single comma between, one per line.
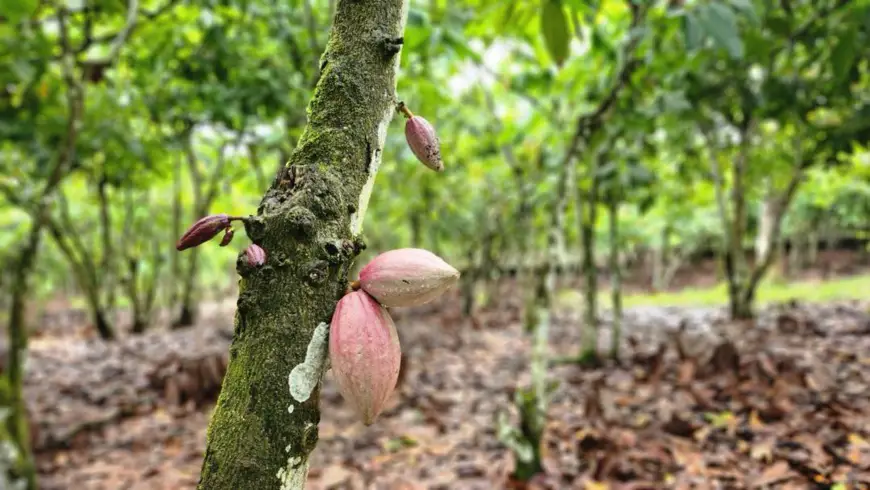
(424,142)
(255,254)
(202,231)
(407,277)
(364,353)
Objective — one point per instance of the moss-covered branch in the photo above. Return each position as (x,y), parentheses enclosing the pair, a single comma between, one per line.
(265,423)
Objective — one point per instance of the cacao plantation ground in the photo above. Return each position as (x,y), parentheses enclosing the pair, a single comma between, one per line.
(694,401)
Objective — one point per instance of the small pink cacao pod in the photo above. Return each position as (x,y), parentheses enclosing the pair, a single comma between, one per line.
(364,353)
(256,255)
(424,142)
(228,237)
(202,231)
(407,277)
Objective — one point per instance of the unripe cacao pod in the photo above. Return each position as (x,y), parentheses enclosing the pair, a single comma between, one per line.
(228,237)
(407,277)
(256,255)
(202,231)
(424,142)
(364,353)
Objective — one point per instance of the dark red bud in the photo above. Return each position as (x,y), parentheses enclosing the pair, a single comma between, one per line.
(203,230)
(256,255)
(228,237)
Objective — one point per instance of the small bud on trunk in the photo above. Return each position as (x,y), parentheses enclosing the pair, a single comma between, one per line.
(228,237)
(407,277)
(423,142)
(256,255)
(202,231)
(364,353)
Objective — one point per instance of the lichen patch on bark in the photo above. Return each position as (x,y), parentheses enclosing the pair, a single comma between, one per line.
(294,474)
(305,377)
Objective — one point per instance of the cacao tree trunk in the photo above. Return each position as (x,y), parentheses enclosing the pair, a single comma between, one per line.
(16,423)
(262,431)
(107,252)
(615,276)
(174,259)
(205,191)
(587,220)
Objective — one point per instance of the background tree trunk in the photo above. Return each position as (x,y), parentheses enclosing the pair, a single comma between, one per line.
(261,432)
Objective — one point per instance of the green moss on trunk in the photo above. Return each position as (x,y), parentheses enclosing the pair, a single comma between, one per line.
(309,223)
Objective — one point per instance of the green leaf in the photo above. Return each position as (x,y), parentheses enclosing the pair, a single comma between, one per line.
(843,55)
(747,8)
(554,27)
(720,24)
(459,44)
(17,10)
(692,32)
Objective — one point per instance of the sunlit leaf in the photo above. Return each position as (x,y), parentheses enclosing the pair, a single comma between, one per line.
(555,29)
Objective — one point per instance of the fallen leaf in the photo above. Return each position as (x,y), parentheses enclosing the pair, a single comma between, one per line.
(775,473)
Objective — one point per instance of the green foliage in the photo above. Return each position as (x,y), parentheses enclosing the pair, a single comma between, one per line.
(555,29)
(237,75)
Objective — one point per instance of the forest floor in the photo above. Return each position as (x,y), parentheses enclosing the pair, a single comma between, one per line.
(694,401)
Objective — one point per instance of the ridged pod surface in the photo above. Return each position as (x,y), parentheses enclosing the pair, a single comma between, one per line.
(407,277)
(364,353)
(255,254)
(202,231)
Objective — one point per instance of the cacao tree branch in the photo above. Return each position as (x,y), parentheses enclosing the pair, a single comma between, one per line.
(120,37)
(264,425)
(781,202)
(591,122)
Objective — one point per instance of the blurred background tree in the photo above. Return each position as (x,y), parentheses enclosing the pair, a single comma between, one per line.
(580,138)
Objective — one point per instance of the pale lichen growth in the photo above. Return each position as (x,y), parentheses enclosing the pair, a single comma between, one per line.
(293,475)
(304,377)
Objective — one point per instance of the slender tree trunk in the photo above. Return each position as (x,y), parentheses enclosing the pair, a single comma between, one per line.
(174,259)
(416,229)
(589,340)
(467,286)
(205,192)
(17,421)
(17,424)
(766,208)
(615,276)
(187,313)
(106,263)
(85,273)
(261,432)
(661,257)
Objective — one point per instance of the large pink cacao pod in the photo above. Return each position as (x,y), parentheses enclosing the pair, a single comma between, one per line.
(407,277)
(364,353)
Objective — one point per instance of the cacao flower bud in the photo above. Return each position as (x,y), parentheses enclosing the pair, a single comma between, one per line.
(256,255)
(228,237)
(423,142)
(364,353)
(407,277)
(202,231)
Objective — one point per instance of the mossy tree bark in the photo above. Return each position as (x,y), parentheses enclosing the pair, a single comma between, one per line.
(309,224)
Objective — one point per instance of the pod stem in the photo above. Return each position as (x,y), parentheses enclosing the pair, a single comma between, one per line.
(354,285)
(404,110)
